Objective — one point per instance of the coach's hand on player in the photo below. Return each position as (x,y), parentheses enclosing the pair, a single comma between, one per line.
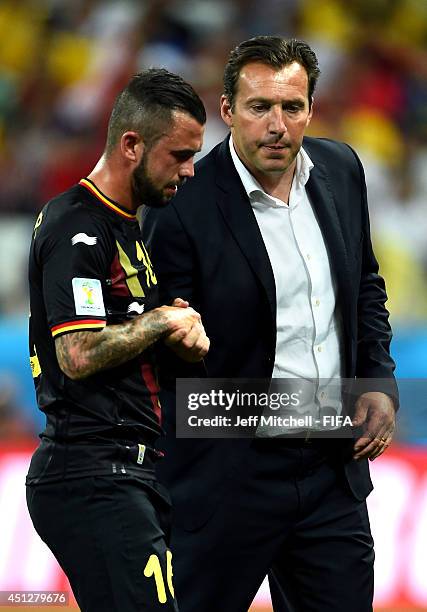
(375,412)
(190,345)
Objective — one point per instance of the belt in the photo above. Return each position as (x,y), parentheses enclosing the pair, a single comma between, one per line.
(341,433)
(309,437)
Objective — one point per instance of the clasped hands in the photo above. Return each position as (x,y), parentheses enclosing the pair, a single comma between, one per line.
(187,338)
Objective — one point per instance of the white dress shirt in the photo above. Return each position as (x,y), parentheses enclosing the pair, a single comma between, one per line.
(309,337)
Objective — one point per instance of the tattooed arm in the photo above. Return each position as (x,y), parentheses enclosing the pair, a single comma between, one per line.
(81,354)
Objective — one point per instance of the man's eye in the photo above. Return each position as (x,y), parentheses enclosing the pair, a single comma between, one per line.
(259,108)
(182,156)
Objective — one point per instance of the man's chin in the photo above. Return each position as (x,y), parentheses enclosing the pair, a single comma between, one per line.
(276,165)
(158,199)
(158,203)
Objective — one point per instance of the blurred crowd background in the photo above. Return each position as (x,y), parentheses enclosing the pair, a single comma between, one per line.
(62,63)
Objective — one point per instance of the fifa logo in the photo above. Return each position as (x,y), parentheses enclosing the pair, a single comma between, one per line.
(88,290)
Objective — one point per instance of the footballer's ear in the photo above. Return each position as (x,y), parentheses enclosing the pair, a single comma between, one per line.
(226,111)
(132,146)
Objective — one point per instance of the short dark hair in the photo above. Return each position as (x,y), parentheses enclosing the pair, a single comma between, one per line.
(274,51)
(147,103)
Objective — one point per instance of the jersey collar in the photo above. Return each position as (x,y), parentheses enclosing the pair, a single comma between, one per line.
(120,210)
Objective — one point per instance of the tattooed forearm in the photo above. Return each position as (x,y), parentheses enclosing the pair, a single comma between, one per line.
(81,354)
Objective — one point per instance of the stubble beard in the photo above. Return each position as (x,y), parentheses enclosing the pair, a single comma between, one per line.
(143,189)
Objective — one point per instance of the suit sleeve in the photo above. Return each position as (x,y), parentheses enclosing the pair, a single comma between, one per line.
(172,255)
(374,332)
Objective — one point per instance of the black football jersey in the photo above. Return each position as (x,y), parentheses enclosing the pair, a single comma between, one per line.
(89,268)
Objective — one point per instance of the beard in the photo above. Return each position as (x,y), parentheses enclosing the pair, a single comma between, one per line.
(144,191)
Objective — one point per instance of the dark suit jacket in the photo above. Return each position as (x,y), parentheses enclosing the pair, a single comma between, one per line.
(206,247)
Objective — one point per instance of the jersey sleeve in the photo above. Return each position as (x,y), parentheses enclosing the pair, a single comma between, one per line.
(73,252)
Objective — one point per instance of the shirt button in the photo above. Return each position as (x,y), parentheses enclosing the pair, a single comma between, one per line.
(319,349)
(308,256)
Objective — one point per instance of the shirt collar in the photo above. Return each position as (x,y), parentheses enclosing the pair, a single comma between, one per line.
(254,189)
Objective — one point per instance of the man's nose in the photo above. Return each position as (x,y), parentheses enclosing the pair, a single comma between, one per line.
(186,170)
(277,123)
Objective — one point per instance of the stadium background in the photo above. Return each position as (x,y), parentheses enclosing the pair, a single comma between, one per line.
(61,64)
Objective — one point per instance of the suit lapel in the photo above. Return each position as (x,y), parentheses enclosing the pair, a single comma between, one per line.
(322,199)
(240,218)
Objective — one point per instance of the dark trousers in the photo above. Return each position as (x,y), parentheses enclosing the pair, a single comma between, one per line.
(109,534)
(291,514)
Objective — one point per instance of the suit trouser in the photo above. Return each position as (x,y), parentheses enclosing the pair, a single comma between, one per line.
(290,513)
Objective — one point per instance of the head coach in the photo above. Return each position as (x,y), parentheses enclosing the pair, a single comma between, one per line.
(270,242)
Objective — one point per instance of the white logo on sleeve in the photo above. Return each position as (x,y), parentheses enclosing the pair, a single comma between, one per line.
(135,307)
(88,298)
(82,237)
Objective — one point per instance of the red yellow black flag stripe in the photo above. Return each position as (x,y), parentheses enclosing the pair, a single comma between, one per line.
(110,203)
(80,325)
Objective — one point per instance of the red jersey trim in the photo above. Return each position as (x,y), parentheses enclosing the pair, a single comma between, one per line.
(153,387)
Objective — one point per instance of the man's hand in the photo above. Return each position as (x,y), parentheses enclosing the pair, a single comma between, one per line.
(375,411)
(189,345)
(179,318)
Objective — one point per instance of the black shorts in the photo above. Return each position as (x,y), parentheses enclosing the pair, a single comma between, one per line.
(110,535)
